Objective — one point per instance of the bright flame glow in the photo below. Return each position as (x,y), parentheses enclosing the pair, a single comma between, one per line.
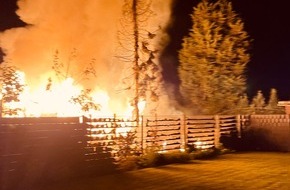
(57,101)
(141,105)
(48,30)
(53,102)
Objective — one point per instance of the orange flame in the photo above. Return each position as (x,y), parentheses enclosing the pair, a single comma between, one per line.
(56,101)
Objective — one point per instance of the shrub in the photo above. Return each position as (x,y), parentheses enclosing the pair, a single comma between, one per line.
(128,163)
(231,141)
(206,153)
(152,159)
(174,157)
(257,139)
(148,159)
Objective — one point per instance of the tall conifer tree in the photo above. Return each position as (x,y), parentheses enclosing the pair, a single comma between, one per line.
(213,59)
(272,106)
(258,103)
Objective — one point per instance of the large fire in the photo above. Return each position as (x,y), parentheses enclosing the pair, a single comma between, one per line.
(78,32)
(57,101)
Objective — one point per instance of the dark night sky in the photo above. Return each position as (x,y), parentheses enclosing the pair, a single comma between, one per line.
(266,21)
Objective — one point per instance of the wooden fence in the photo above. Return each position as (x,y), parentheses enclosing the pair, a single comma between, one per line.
(165,133)
(203,131)
(32,149)
(50,147)
(44,149)
(103,135)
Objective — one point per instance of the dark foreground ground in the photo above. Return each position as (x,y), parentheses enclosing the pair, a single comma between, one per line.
(257,171)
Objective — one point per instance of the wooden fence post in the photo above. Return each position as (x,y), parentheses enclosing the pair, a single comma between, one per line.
(288,119)
(238,124)
(217,134)
(142,134)
(184,132)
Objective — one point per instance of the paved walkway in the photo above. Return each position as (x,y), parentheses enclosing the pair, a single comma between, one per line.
(247,171)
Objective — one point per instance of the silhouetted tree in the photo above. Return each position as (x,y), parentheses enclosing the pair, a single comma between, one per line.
(63,71)
(11,86)
(85,101)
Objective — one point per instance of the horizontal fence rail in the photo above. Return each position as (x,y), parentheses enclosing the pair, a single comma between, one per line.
(103,135)
(164,133)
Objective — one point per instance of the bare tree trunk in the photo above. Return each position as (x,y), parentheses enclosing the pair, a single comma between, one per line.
(136,59)
(135,39)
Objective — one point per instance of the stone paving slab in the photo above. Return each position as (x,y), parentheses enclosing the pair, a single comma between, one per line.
(247,171)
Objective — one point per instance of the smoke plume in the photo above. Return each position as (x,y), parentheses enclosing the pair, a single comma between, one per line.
(82,31)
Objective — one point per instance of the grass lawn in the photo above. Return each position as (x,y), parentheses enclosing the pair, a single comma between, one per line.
(236,171)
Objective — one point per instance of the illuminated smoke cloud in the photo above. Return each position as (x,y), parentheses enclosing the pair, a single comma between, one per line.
(87,26)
